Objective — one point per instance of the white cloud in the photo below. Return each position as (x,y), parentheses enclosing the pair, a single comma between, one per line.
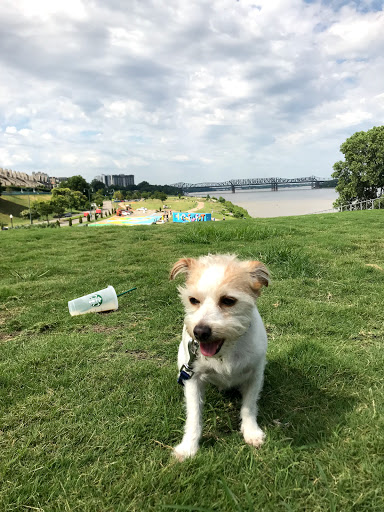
(11,130)
(180,158)
(167,89)
(45,9)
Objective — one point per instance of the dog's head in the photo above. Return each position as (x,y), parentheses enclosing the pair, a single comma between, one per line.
(219,297)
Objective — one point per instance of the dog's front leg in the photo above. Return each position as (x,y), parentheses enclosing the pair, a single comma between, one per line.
(194,397)
(251,431)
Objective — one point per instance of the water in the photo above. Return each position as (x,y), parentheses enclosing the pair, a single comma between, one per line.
(284,202)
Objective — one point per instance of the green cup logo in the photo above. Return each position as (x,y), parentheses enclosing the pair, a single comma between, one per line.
(96,300)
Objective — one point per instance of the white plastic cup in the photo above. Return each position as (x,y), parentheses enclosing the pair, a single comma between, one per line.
(103,300)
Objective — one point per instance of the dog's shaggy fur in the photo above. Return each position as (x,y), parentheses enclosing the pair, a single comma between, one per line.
(221,314)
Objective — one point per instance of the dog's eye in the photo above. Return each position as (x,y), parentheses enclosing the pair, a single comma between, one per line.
(228,301)
(194,301)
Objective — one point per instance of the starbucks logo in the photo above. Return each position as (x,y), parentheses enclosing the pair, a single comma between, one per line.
(96,300)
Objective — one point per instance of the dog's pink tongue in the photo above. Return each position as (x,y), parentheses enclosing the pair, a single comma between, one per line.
(208,349)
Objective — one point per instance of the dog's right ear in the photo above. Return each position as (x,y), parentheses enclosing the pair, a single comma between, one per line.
(181,267)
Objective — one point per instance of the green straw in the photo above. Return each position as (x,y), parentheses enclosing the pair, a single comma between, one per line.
(120,294)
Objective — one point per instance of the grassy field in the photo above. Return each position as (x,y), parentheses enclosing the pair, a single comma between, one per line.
(90,405)
(15,204)
(184,204)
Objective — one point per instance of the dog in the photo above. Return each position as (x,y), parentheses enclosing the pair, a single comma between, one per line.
(224,341)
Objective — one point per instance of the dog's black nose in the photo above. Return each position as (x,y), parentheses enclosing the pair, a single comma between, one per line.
(202,332)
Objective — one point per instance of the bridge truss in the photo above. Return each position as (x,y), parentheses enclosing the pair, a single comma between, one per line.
(248,183)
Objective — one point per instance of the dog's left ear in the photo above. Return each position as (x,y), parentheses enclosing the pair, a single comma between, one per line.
(182,266)
(259,275)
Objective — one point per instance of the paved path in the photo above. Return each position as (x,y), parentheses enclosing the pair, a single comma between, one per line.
(200,206)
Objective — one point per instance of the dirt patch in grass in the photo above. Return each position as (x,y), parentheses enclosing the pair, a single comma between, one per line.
(99,329)
(139,354)
(4,336)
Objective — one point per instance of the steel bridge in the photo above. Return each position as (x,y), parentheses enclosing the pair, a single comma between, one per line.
(250,183)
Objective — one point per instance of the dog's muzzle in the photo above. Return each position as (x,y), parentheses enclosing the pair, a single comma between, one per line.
(208,347)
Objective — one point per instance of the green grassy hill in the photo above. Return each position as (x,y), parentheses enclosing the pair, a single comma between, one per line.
(90,405)
(15,204)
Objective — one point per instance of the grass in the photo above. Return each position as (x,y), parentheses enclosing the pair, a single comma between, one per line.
(15,204)
(90,404)
(184,204)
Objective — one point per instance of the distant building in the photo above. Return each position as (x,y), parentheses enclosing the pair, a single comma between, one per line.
(55,182)
(117,180)
(10,178)
(41,177)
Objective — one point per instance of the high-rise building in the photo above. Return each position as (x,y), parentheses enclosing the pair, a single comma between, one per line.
(117,180)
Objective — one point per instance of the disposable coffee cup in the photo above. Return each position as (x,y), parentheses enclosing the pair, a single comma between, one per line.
(103,300)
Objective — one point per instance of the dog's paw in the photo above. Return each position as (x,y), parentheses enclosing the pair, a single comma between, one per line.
(254,436)
(184,451)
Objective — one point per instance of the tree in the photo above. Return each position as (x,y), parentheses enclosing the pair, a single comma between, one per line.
(159,195)
(62,191)
(118,195)
(98,198)
(144,185)
(33,215)
(59,204)
(75,183)
(361,175)
(44,208)
(62,197)
(78,200)
(73,198)
(97,185)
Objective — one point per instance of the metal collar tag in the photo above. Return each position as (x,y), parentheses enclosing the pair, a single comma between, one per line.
(186,371)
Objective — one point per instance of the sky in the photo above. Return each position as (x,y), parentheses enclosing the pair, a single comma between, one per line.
(187,90)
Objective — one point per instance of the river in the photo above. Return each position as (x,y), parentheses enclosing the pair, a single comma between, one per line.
(284,202)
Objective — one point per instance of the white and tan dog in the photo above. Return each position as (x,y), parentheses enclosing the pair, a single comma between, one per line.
(224,340)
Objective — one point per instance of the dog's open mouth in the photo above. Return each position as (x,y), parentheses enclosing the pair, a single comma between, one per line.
(210,348)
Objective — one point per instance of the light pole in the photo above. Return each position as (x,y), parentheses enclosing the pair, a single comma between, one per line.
(29,205)
(11,217)
(113,191)
(89,199)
